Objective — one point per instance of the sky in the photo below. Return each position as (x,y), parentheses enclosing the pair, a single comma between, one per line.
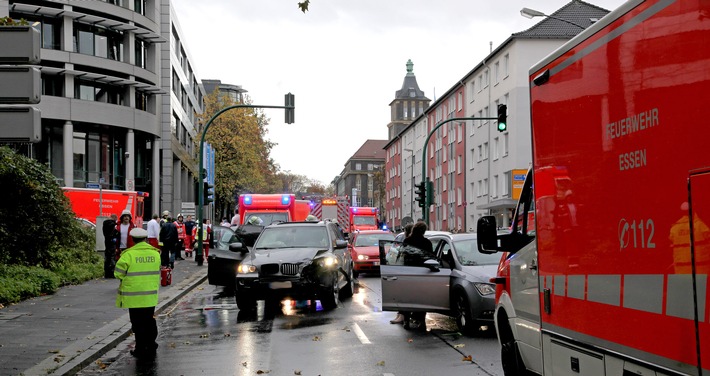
(343,60)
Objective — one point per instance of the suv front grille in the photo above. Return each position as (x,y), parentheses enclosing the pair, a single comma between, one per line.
(270,268)
(289,269)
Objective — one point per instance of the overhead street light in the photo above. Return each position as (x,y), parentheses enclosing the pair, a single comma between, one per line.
(530,13)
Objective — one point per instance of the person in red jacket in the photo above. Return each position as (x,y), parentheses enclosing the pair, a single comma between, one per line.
(181,237)
(124,227)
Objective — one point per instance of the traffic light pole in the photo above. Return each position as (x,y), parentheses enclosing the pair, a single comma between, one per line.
(201,172)
(429,195)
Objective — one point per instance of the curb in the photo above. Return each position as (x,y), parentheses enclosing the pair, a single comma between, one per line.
(109,336)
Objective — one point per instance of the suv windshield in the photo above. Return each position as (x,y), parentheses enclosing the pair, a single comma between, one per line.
(265,219)
(364,220)
(292,237)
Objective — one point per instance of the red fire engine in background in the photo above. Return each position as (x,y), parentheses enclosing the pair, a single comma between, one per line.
(605,271)
(272,208)
(86,203)
(363,218)
(334,208)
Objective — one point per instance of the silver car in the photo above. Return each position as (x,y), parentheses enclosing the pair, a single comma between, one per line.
(455,281)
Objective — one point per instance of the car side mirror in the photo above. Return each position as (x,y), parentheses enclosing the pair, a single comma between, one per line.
(341,243)
(487,234)
(238,247)
(433,265)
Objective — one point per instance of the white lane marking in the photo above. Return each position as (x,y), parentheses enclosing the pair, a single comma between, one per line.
(360,335)
(388,374)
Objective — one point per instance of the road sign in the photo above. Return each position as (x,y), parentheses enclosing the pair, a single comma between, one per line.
(93,185)
(130,185)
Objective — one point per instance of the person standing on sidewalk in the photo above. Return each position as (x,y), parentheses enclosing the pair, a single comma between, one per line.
(180,225)
(109,230)
(138,269)
(168,236)
(154,231)
(189,225)
(124,228)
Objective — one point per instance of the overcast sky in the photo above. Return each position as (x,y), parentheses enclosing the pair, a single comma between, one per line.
(343,60)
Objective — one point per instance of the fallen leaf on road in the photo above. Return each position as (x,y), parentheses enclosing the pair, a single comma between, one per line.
(316,338)
(467,358)
(53,351)
(244,364)
(296,372)
(172,345)
(381,363)
(100,364)
(460,345)
(410,340)
(260,372)
(227,335)
(200,288)
(205,335)
(188,343)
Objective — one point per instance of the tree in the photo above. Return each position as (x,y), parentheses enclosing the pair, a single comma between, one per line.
(242,153)
(304,5)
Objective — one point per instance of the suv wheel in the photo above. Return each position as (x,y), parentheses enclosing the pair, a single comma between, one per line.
(245,302)
(329,296)
(347,291)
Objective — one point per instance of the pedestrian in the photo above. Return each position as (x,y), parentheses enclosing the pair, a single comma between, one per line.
(164,218)
(168,237)
(109,230)
(154,231)
(423,250)
(399,238)
(224,223)
(189,226)
(123,228)
(138,269)
(180,225)
(206,240)
(235,218)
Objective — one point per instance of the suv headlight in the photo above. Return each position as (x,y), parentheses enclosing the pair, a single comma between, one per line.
(246,269)
(485,288)
(328,262)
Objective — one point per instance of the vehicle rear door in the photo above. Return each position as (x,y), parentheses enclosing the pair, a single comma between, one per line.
(700,250)
(411,288)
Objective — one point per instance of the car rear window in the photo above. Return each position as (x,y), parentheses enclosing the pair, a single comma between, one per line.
(366,240)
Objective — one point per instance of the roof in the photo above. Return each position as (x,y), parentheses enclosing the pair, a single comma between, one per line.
(565,22)
(371,149)
(410,88)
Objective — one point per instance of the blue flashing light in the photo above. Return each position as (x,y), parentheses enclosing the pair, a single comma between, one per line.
(312,204)
(374,210)
(384,227)
(354,210)
(285,199)
(247,200)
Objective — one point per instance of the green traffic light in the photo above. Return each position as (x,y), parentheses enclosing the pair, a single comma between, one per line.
(502,127)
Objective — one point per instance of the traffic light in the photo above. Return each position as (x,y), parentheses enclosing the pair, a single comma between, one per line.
(429,191)
(421,194)
(290,101)
(502,118)
(208,192)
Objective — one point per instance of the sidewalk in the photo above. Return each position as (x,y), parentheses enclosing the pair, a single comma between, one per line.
(62,333)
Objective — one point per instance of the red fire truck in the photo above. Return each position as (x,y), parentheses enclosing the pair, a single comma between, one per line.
(363,218)
(334,208)
(611,276)
(86,203)
(271,208)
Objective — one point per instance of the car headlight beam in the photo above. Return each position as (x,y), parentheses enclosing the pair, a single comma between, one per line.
(363,257)
(485,288)
(328,262)
(246,269)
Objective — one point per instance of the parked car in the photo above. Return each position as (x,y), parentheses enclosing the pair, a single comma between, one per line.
(224,257)
(455,281)
(298,260)
(365,251)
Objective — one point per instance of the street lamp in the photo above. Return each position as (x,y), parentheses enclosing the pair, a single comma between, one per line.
(530,13)
(411,193)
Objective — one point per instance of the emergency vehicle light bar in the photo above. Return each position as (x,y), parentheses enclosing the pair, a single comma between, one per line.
(247,199)
(285,199)
(329,201)
(143,194)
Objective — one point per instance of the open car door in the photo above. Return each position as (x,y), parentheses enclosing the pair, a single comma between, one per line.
(412,281)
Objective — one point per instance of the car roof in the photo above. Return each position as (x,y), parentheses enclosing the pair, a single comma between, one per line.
(454,237)
(298,224)
(371,232)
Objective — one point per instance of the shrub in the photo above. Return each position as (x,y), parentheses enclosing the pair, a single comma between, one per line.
(21,282)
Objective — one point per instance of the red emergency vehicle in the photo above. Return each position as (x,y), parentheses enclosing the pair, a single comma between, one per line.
(334,208)
(611,276)
(270,208)
(85,203)
(363,218)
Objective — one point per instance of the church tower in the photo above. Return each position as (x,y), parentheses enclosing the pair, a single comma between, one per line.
(409,102)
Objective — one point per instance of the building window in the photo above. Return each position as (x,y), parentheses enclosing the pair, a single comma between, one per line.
(506,62)
(98,92)
(141,53)
(496,72)
(52,85)
(98,41)
(358,167)
(505,187)
(139,6)
(370,167)
(142,100)
(496,146)
(50,29)
(505,144)
(494,186)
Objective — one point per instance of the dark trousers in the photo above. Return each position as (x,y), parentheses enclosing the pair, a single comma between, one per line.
(109,262)
(166,255)
(144,327)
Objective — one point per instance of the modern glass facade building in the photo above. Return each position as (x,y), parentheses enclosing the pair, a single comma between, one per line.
(119,96)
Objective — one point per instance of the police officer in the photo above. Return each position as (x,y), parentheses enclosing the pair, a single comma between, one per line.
(138,269)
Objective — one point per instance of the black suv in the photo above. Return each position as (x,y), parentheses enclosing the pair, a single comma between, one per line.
(297,260)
